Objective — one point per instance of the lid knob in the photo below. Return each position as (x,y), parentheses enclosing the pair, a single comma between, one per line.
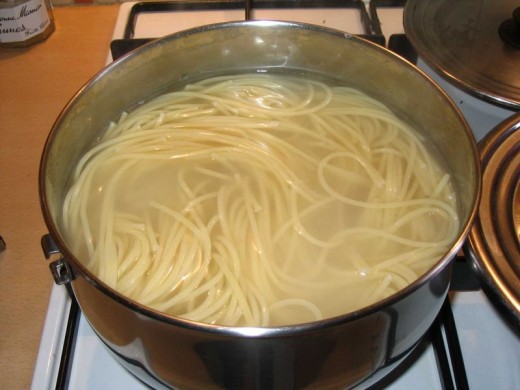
(509,30)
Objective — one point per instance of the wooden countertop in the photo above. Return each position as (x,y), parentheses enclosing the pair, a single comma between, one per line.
(35,84)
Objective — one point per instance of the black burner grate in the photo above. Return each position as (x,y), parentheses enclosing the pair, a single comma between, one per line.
(369,19)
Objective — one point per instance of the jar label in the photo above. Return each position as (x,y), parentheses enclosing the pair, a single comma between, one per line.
(23,22)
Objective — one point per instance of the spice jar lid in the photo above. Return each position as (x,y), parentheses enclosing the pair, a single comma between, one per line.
(494,240)
(474,44)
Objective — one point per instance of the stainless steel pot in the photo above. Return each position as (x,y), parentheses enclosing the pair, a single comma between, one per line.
(334,353)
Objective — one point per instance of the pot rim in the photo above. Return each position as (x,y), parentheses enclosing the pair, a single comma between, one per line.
(249,331)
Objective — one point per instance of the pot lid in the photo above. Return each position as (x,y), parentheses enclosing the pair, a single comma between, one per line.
(475,44)
(494,240)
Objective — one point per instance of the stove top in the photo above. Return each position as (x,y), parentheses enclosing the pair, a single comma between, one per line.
(469,346)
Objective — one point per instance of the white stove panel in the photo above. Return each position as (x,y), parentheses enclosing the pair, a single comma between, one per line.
(391,20)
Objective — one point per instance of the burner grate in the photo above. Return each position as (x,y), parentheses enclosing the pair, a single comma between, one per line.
(370,20)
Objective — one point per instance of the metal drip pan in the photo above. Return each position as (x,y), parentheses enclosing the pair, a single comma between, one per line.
(494,241)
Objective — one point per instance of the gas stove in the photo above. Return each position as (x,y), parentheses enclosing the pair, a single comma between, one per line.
(470,345)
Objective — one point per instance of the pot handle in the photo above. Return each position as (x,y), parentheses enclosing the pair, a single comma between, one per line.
(60,269)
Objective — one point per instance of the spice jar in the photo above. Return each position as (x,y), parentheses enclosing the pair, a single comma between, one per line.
(25,22)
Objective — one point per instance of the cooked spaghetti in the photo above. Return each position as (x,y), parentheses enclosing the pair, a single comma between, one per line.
(260,200)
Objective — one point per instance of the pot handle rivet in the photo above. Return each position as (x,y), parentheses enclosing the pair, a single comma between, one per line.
(60,269)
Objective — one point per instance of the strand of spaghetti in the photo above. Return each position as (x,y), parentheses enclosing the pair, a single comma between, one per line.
(137,240)
(230,315)
(357,265)
(374,175)
(189,155)
(263,305)
(190,294)
(379,292)
(251,88)
(407,273)
(377,233)
(241,106)
(449,229)
(343,129)
(259,244)
(234,284)
(257,166)
(107,259)
(378,205)
(397,281)
(262,263)
(441,186)
(312,308)
(198,231)
(214,301)
(416,255)
(284,279)
(300,228)
(164,270)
